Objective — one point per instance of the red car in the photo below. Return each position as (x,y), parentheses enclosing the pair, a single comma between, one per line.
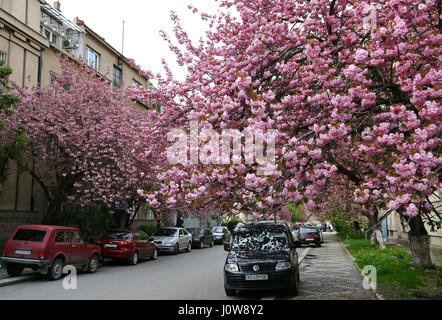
(132,245)
(48,249)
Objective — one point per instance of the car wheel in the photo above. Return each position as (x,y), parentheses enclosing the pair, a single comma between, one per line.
(293,289)
(56,270)
(93,264)
(134,259)
(211,243)
(201,244)
(176,248)
(14,269)
(229,292)
(189,247)
(155,255)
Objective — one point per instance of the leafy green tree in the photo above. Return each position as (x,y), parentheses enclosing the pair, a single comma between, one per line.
(12,137)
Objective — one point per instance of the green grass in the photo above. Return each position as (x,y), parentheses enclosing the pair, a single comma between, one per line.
(392,265)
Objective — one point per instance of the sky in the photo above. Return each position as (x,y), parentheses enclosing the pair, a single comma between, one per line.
(143,21)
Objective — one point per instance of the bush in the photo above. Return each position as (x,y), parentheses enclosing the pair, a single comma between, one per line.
(232,224)
(148,228)
(93,222)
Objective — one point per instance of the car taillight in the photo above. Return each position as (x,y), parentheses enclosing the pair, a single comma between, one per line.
(4,251)
(309,235)
(125,244)
(42,255)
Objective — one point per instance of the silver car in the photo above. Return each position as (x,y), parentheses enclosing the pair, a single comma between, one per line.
(172,239)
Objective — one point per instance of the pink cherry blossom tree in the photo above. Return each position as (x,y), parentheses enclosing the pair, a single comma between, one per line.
(83,140)
(352,89)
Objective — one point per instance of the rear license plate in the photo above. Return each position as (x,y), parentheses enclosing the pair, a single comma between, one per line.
(257,277)
(110,245)
(309,239)
(23,252)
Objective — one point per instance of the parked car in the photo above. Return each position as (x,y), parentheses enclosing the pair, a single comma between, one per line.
(172,239)
(48,249)
(262,256)
(310,235)
(220,234)
(201,237)
(131,245)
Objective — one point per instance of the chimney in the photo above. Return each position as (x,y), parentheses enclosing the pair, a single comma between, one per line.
(78,22)
(57,5)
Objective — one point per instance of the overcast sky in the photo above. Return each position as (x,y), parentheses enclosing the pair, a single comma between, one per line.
(143,21)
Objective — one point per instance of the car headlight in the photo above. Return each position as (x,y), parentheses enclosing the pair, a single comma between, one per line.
(231,267)
(283,266)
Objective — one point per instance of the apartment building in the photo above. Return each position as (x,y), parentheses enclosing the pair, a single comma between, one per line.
(32,34)
(21,46)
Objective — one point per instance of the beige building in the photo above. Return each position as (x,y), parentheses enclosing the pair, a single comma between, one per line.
(398,233)
(21,46)
(32,33)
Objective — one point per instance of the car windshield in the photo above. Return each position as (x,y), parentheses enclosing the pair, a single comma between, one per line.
(30,235)
(165,232)
(119,235)
(268,238)
(195,231)
(218,230)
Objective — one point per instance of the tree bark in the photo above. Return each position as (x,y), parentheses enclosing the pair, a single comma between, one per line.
(420,244)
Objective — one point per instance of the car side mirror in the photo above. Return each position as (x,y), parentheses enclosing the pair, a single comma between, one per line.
(226,246)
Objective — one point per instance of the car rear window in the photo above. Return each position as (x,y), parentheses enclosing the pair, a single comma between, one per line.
(119,235)
(308,230)
(30,235)
(218,230)
(194,231)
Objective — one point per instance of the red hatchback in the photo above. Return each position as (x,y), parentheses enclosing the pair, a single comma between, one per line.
(132,245)
(48,249)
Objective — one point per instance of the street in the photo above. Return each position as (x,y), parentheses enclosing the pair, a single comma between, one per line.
(326,273)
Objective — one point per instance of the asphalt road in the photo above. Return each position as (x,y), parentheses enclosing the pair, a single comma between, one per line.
(197,275)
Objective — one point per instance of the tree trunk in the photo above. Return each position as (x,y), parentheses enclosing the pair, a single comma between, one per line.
(420,244)
(54,209)
(371,234)
(379,237)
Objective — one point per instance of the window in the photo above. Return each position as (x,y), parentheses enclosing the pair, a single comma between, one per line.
(117,77)
(92,58)
(62,237)
(29,235)
(54,39)
(135,83)
(76,238)
(2,56)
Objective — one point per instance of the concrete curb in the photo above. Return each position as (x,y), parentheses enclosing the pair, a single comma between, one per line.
(378,296)
(303,254)
(13,280)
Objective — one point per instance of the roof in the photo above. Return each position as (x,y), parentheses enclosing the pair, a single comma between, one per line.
(60,17)
(46,227)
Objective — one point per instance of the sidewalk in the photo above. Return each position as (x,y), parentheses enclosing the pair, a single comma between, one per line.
(328,273)
(6,280)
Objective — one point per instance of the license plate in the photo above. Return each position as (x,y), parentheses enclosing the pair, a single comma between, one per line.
(23,252)
(309,239)
(257,277)
(110,245)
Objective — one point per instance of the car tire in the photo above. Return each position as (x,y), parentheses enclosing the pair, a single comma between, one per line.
(293,289)
(175,249)
(201,244)
(55,272)
(189,247)
(155,255)
(229,292)
(211,243)
(14,269)
(134,259)
(93,264)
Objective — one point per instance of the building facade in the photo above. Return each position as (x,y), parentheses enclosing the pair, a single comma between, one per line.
(32,34)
